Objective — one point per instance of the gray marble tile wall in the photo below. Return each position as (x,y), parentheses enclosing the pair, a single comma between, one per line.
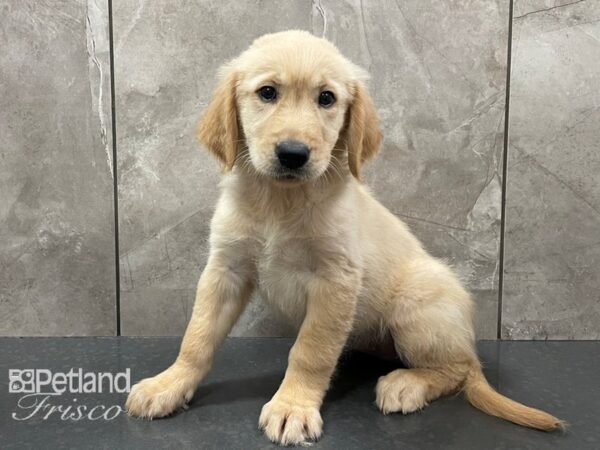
(438,76)
(57,258)
(552,240)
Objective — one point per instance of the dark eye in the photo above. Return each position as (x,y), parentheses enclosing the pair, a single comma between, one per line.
(326,99)
(267,94)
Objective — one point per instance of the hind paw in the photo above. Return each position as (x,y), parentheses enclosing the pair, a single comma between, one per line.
(400,391)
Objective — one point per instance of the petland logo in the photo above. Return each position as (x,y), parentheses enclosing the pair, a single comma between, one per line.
(41,386)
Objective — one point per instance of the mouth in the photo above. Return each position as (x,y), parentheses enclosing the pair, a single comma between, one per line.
(289,177)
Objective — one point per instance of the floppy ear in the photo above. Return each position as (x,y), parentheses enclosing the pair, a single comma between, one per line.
(363,135)
(218,129)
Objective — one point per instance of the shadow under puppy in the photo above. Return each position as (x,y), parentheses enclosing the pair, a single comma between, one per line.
(292,123)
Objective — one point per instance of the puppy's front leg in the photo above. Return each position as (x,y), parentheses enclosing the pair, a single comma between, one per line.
(292,416)
(223,291)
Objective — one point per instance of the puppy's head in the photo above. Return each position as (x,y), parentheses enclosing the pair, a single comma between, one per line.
(291,108)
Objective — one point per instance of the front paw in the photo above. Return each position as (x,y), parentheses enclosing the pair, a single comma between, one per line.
(163,394)
(288,423)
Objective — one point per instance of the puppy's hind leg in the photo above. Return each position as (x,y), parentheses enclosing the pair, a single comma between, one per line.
(433,334)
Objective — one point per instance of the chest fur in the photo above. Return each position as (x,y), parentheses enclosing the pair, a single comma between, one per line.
(301,237)
(286,264)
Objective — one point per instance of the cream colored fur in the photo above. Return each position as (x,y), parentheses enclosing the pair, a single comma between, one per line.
(321,249)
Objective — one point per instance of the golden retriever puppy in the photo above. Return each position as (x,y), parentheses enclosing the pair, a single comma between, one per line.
(292,122)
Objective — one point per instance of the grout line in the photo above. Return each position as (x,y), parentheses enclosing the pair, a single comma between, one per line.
(504,169)
(115,178)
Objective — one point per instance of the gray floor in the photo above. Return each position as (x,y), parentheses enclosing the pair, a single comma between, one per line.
(561,377)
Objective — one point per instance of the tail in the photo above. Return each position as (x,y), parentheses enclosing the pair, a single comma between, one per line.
(482,396)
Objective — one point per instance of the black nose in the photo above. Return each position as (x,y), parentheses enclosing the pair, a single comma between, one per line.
(292,154)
